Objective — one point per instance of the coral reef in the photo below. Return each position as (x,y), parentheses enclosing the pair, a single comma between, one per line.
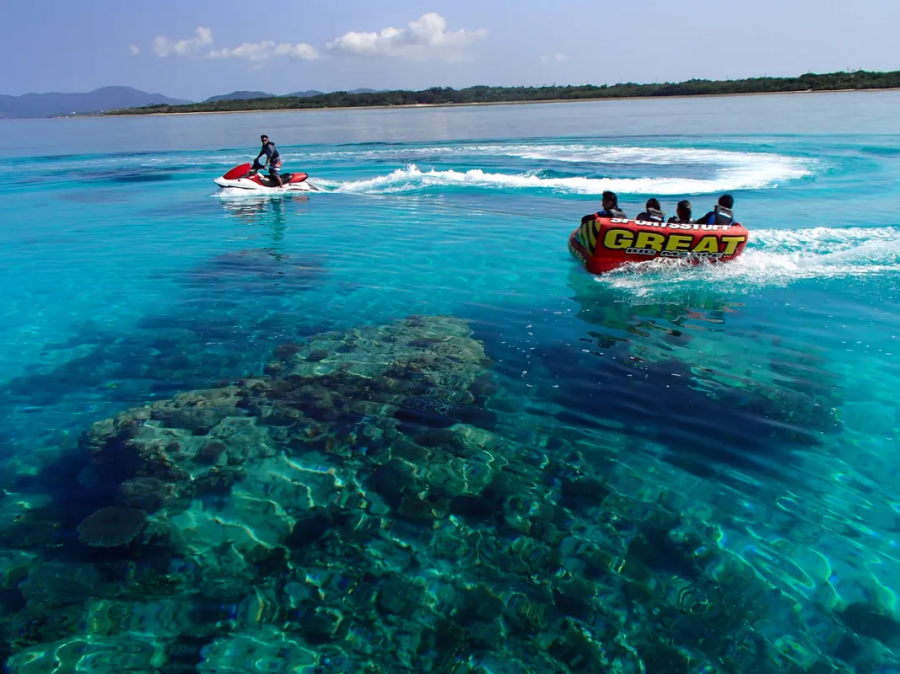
(362,508)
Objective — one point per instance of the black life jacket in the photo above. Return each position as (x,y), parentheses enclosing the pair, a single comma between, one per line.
(724,216)
(653,215)
(271,152)
(612,213)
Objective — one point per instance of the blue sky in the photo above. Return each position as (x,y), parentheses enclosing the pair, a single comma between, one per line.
(198,48)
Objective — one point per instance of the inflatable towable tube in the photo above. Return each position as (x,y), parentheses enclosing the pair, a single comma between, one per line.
(602,244)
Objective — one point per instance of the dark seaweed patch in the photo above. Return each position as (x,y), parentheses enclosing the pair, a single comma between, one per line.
(256,271)
(140,178)
(752,428)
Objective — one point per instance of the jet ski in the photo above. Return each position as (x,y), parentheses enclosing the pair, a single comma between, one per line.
(248,177)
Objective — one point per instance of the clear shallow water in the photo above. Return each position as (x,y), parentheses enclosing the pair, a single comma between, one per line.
(756,400)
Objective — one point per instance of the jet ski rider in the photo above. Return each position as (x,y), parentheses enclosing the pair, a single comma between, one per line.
(273,159)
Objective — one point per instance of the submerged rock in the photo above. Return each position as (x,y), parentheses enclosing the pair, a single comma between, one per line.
(57,583)
(317,355)
(869,621)
(147,493)
(285,351)
(128,652)
(112,526)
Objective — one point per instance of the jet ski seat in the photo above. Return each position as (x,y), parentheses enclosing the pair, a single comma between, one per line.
(268,182)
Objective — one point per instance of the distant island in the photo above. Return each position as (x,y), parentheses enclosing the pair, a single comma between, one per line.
(57,104)
(841,81)
(108,99)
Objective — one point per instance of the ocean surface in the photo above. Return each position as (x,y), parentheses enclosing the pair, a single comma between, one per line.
(491,420)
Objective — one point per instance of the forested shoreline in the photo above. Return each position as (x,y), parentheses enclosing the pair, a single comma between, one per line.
(485,94)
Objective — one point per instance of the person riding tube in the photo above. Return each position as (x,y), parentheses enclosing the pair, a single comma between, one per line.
(610,208)
(652,212)
(683,211)
(722,213)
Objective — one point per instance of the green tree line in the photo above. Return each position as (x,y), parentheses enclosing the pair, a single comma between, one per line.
(484,94)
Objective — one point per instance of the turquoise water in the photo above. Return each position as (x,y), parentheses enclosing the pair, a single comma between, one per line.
(743,418)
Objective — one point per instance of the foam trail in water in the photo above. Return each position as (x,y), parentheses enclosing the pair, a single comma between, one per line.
(668,156)
(244,195)
(774,258)
(722,169)
(572,153)
(410,178)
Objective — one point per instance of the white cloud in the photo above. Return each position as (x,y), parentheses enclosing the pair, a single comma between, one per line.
(163,46)
(262,51)
(555,58)
(423,39)
(134,50)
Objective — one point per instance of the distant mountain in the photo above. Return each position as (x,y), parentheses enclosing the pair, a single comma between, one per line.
(313,92)
(249,95)
(305,94)
(99,100)
(239,96)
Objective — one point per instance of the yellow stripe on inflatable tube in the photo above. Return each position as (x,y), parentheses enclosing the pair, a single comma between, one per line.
(593,231)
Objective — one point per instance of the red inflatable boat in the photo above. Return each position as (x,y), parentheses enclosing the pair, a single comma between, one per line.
(603,244)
